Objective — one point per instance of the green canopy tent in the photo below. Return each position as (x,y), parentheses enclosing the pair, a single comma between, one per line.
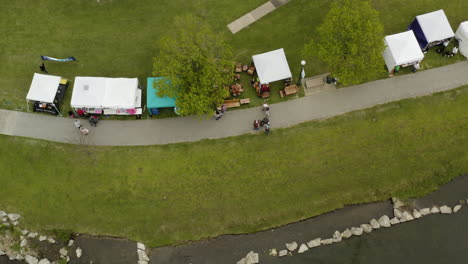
(155,102)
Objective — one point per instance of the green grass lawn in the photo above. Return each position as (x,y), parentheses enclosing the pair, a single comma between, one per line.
(118,38)
(173,193)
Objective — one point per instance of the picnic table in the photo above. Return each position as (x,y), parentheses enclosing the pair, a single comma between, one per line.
(291,89)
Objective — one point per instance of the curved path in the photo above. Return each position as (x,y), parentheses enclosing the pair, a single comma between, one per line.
(184,129)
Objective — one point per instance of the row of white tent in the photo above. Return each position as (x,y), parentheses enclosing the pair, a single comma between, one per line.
(427,30)
(114,96)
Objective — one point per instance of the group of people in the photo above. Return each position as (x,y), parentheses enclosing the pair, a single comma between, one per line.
(220,111)
(265,122)
(93,120)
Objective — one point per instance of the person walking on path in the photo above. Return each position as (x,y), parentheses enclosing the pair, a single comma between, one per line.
(78,124)
(267,128)
(84,130)
(43,68)
(256,124)
(218,114)
(266,108)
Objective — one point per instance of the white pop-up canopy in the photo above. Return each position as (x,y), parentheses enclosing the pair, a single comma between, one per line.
(272,66)
(101,92)
(402,49)
(462,36)
(435,26)
(43,88)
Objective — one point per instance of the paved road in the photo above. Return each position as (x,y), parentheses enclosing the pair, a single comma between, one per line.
(172,130)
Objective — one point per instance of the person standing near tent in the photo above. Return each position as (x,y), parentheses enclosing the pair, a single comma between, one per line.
(43,68)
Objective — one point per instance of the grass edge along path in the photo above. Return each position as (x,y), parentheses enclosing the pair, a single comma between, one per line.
(189,191)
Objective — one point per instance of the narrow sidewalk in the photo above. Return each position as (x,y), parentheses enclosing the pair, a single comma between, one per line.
(185,129)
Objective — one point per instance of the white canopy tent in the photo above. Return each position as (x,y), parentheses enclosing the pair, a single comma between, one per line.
(272,66)
(432,28)
(44,89)
(462,36)
(402,50)
(111,95)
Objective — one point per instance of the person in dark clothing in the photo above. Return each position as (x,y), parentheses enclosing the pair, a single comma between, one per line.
(256,124)
(43,68)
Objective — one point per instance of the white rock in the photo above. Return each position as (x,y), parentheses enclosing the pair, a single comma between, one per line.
(456,208)
(374,224)
(384,221)
(63,252)
(435,210)
(142,255)
(445,209)
(14,217)
(326,241)
(416,214)
(251,258)
(242,261)
(23,243)
(44,261)
(4,219)
(70,243)
(141,246)
(397,203)
(31,260)
(33,235)
(337,236)
(283,253)
(6,224)
(79,251)
(146,262)
(357,231)
(2,213)
(42,238)
(314,243)
(291,246)
(425,211)
(24,232)
(15,223)
(303,248)
(406,217)
(394,221)
(19,257)
(51,240)
(397,213)
(366,228)
(273,252)
(347,233)
(2,253)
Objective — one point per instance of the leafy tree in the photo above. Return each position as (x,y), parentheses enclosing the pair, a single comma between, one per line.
(198,62)
(350,41)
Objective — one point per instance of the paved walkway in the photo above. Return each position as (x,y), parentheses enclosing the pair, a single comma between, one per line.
(254,15)
(183,129)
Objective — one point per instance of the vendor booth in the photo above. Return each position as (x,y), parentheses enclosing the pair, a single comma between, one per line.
(462,36)
(431,29)
(272,66)
(155,102)
(46,93)
(402,49)
(109,96)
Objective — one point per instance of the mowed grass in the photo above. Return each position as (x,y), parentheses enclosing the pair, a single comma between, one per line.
(173,193)
(119,38)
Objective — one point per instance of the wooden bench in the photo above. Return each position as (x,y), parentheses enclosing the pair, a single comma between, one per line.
(245,101)
(291,89)
(232,103)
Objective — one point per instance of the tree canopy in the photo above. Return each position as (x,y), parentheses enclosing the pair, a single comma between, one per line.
(350,41)
(198,62)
